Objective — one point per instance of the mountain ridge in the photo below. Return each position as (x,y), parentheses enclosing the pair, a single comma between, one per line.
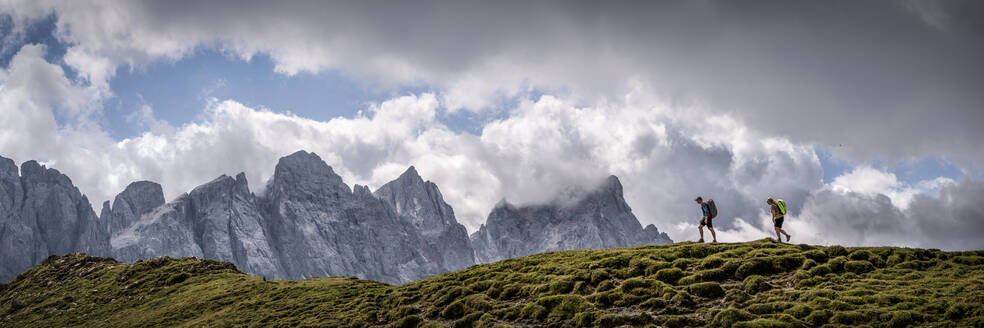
(307,223)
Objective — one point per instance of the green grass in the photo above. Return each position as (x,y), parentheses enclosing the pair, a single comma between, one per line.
(754,284)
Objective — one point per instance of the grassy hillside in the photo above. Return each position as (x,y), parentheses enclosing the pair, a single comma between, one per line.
(755,284)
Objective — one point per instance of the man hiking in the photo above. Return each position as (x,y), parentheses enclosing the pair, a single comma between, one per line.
(778,212)
(706,217)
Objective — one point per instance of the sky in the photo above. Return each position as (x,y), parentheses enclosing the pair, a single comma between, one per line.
(863,116)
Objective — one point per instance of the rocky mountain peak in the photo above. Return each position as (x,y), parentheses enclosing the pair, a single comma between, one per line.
(141,197)
(219,182)
(503,203)
(304,162)
(410,176)
(43,213)
(11,192)
(420,200)
(8,169)
(31,168)
(306,173)
(614,185)
(106,210)
(578,218)
(225,184)
(242,185)
(361,191)
(136,200)
(34,172)
(653,233)
(421,203)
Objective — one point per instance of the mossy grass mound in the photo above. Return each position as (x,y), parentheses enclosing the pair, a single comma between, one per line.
(755,284)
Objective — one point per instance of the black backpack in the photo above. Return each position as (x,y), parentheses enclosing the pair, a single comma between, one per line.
(712,208)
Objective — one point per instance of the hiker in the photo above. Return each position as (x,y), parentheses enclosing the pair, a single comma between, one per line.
(778,212)
(706,216)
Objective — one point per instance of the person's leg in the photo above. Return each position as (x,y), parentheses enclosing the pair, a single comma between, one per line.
(701,229)
(779,229)
(713,234)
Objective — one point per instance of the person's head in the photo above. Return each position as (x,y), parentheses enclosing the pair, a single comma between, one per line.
(699,200)
(770,201)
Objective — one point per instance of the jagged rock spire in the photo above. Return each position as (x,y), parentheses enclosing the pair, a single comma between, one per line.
(43,213)
(421,204)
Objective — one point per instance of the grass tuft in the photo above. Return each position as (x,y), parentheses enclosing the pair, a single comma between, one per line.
(756,283)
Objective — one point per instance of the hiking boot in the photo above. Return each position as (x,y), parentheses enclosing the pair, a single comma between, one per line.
(701,240)
(714,241)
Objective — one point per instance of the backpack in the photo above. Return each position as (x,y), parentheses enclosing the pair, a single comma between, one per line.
(782,206)
(712,208)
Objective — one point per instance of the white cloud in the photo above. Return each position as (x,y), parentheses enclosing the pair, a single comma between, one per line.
(870,181)
(932,186)
(866,179)
(96,70)
(33,93)
(144,118)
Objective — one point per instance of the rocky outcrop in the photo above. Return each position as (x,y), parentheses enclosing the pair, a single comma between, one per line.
(578,220)
(218,220)
(421,203)
(652,233)
(137,199)
(43,213)
(320,228)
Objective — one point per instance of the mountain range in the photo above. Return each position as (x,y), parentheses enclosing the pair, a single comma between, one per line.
(307,223)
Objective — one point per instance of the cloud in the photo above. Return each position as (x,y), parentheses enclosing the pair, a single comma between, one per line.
(953,219)
(950,220)
(869,181)
(144,118)
(33,94)
(865,70)
(678,100)
(664,153)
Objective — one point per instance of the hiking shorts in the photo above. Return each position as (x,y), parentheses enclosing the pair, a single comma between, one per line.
(709,224)
(779,222)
